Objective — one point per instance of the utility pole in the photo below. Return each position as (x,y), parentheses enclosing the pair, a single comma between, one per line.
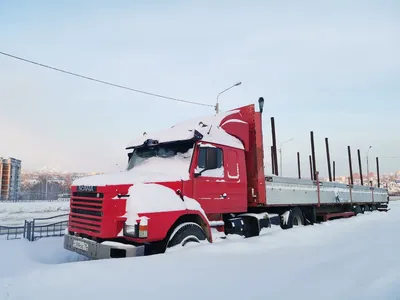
(280,154)
(46,189)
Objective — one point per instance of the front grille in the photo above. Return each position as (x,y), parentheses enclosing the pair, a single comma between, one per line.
(88,195)
(86,211)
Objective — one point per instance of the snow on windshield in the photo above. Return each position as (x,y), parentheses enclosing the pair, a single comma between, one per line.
(179,150)
(155,166)
(149,165)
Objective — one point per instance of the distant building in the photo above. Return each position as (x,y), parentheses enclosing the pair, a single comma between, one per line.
(10,174)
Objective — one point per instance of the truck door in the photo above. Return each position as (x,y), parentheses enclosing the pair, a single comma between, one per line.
(209,185)
(236,180)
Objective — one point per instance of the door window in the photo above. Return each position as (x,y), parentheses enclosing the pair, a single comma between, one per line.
(210,162)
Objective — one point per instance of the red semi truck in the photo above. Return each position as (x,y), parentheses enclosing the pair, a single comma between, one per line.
(197,181)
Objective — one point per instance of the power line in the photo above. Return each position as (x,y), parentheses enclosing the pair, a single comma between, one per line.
(103,82)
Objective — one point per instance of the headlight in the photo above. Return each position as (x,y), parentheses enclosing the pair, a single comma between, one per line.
(130,230)
(139,230)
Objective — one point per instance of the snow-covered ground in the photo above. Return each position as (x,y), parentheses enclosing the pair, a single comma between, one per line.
(14,213)
(355,258)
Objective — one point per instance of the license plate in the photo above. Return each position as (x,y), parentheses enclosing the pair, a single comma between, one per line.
(80,245)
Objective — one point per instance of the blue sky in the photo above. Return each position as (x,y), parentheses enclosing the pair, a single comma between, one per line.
(328,66)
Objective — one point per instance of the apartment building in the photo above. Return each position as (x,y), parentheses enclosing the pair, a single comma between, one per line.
(10,174)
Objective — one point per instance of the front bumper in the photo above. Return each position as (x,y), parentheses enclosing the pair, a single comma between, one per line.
(94,250)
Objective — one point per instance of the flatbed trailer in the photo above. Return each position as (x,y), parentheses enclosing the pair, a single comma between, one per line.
(325,199)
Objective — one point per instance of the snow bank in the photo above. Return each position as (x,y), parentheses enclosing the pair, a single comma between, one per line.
(19,257)
(355,258)
(33,207)
(15,213)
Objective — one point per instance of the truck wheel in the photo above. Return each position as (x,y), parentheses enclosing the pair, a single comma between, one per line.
(186,232)
(357,209)
(295,218)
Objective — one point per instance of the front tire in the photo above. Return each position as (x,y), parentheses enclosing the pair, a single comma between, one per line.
(185,233)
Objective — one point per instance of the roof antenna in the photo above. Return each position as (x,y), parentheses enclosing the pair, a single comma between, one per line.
(209,130)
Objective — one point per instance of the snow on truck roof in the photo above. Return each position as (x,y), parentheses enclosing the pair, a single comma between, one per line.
(208,126)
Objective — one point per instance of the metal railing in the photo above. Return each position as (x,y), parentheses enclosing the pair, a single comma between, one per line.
(39,200)
(36,229)
(12,232)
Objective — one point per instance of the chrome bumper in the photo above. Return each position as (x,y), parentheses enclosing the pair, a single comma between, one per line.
(94,250)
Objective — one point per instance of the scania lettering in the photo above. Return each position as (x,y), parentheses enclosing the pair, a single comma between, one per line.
(198,181)
(86,188)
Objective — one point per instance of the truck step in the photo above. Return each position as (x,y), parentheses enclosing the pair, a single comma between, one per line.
(216,223)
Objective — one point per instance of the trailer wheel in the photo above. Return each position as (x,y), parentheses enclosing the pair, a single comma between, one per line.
(185,233)
(296,218)
(357,209)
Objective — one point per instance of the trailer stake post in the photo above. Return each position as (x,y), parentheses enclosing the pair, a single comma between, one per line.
(314,167)
(274,146)
(328,159)
(334,170)
(272,160)
(377,172)
(360,166)
(298,165)
(350,166)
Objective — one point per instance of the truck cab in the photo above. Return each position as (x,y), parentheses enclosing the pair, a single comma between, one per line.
(178,184)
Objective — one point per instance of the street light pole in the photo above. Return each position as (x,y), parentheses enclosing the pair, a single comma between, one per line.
(280,153)
(368,165)
(217,104)
(46,188)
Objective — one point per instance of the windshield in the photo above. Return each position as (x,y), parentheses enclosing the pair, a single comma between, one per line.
(167,150)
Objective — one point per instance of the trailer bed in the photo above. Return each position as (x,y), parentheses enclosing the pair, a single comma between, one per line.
(285,191)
